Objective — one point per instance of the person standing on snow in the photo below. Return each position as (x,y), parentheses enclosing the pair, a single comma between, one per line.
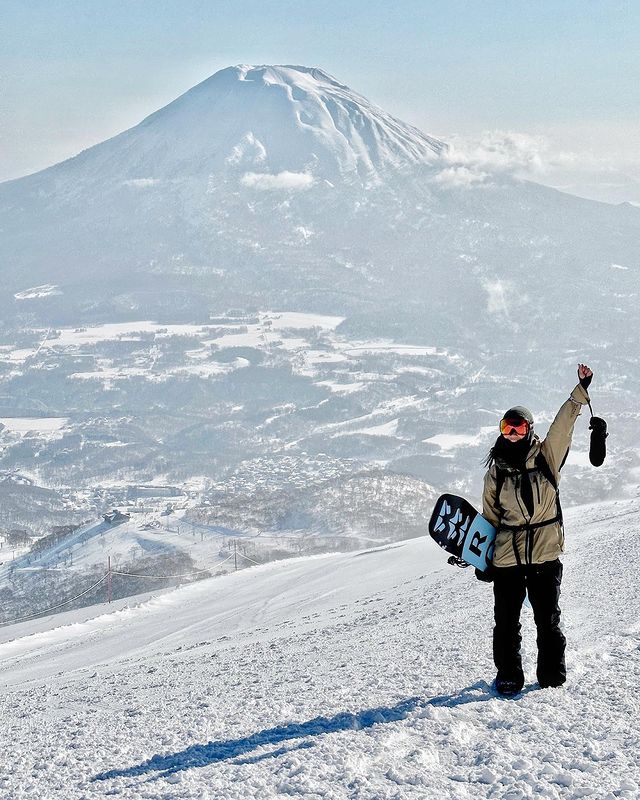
(521,501)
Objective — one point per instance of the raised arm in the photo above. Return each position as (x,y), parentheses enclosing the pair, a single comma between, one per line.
(556,446)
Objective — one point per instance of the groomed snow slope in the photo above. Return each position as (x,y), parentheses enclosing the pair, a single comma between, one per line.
(342,676)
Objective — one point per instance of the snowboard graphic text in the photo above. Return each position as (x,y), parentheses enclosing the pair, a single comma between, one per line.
(458,528)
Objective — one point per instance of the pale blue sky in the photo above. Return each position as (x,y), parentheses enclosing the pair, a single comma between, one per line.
(74,72)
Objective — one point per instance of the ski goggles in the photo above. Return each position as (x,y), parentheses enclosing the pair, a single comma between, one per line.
(519,426)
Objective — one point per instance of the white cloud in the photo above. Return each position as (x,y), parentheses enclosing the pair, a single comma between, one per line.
(496,297)
(562,159)
(473,162)
(305,233)
(142,183)
(459,176)
(267,181)
(499,152)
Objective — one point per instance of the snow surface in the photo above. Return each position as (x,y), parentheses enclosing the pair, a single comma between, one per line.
(24,425)
(46,290)
(385,429)
(360,675)
(453,441)
(132,331)
(143,535)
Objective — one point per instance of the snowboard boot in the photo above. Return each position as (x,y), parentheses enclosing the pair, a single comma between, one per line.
(507,688)
(553,684)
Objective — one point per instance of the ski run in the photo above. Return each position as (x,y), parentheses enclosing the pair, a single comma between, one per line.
(363,675)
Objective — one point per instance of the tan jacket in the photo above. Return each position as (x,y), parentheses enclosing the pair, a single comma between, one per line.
(535,543)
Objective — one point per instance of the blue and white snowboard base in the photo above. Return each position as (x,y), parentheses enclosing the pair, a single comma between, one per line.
(461,530)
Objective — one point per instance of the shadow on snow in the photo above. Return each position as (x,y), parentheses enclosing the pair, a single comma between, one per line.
(202,755)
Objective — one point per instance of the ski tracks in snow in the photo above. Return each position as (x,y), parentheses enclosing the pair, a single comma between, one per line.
(364,678)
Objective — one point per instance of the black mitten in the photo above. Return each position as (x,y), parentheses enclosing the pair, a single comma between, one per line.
(486,576)
(598,446)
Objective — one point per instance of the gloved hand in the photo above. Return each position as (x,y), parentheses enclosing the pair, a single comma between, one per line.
(585,375)
(486,576)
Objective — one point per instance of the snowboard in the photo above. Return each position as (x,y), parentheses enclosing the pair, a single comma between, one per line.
(461,530)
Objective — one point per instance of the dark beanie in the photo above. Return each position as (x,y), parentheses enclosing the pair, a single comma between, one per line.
(519,412)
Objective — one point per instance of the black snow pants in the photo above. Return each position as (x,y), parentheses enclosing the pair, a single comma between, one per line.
(542,583)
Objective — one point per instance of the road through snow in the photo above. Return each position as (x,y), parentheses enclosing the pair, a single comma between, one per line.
(358,676)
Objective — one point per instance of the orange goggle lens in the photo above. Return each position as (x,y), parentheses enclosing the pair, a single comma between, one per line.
(520,426)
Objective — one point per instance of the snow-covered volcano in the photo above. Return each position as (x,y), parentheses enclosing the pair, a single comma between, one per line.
(266,121)
(278,186)
(198,188)
(274,119)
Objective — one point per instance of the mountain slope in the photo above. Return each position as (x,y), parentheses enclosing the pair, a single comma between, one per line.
(270,119)
(360,675)
(280,186)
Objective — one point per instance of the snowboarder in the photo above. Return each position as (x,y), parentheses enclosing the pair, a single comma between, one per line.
(521,500)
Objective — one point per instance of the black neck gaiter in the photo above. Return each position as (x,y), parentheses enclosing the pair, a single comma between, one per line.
(514,454)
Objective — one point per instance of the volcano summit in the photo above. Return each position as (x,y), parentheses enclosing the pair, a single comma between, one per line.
(273,120)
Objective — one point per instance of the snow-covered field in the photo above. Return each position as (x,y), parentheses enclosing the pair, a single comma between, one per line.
(33,425)
(339,676)
(254,335)
(273,330)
